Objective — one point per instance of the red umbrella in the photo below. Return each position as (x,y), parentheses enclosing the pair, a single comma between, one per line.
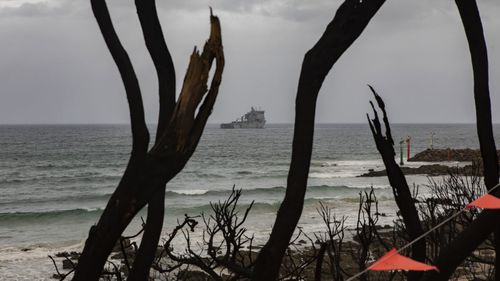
(392,260)
(486,201)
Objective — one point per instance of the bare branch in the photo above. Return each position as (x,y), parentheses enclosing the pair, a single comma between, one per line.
(486,222)
(349,22)
(397,180)
(140,134)
(157,47)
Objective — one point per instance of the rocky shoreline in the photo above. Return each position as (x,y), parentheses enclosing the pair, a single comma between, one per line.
(302,250)
(439,155)
(430,170)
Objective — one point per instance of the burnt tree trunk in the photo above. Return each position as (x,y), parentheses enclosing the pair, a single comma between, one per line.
(397,180)
(349,22)
(468,240)
(150,239)
(162,60)
(180,129)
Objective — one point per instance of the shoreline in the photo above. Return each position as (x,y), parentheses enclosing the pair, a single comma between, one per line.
(431,170)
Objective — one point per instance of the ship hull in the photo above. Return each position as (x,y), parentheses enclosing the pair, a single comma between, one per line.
(243,125)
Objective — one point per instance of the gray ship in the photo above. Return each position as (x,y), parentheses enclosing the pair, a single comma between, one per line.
(254,119)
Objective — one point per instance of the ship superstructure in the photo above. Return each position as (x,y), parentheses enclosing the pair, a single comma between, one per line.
(254,119)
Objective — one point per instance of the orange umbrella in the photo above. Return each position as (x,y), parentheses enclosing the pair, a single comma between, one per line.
(486,201)
(392,260)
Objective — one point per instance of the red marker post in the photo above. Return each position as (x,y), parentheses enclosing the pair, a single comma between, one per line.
(408,142)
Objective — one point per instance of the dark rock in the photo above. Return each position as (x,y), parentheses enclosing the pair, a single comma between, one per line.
(72,255)
(124,269)
(118,247)
(119,255)
(430,170)
(62,254)
(67,264)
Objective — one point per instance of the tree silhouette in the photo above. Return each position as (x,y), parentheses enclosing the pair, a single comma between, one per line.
(180,126)
(451,257)
(397,180)
(349,22)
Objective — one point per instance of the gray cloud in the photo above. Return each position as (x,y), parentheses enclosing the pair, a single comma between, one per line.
(55,68)
(39,9)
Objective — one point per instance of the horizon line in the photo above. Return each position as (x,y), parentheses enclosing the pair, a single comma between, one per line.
(274,123)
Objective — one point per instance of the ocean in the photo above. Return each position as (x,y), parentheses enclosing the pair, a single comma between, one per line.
(56,179)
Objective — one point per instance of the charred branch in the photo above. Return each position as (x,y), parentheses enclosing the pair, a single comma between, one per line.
(461,247)
(224,238)
(162,60)
(140,134)
(331,244)
(60,275)
(150,239)
(148,174)
(397,180)
(186,125)
(350,20)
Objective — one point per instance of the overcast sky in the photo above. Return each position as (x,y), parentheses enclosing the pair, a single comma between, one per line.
(55,68)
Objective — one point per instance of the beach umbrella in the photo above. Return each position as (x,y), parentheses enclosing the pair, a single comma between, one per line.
(486,201)
(392,260)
